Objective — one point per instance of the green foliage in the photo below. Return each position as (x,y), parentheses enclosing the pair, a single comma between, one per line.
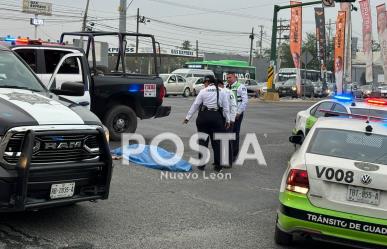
(186,45)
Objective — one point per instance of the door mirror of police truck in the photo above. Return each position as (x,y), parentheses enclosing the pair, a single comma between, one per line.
(70,89)
(296,139)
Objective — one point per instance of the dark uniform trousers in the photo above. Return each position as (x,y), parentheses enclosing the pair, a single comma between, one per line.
(235,143)
(211,122)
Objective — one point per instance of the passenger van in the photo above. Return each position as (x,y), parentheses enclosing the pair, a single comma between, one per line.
(188,72)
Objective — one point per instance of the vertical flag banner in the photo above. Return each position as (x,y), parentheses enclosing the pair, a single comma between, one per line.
(348,42)
(367,37)
(296,41)
(320,36)
(381,17)
(340,50)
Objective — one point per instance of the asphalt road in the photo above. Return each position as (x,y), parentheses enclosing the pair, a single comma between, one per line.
(145,211)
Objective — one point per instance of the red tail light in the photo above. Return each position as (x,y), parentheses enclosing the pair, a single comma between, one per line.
(298,181)
(162,93)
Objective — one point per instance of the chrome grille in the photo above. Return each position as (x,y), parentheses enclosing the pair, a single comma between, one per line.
(42,154)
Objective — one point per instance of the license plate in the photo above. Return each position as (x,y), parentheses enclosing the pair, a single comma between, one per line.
(283,91)
(363,195)
(62,190)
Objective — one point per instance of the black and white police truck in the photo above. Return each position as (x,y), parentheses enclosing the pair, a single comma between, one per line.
(52,151)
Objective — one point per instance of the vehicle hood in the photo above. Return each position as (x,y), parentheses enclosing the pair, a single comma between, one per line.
(27,108)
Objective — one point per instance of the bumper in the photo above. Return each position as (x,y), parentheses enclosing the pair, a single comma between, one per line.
(163,111)
(153,111)
(298,215)
(28,185)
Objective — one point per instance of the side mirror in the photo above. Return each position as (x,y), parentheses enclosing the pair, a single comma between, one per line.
(296,139)
(70,89)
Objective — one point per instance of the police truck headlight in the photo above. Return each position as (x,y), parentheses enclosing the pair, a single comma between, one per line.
(106,131)
(294,88)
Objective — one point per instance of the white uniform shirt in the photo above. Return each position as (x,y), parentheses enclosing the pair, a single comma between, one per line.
(207,97)
(242,92)
(232,103)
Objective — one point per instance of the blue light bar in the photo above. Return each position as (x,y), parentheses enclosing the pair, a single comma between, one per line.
(10,39)
(343,98)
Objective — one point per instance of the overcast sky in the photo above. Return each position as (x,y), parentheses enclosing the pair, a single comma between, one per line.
(222,15)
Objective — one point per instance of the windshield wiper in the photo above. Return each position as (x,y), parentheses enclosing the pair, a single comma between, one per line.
(19,87)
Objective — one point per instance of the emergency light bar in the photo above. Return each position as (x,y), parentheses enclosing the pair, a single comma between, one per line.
(376,101)
(360,116)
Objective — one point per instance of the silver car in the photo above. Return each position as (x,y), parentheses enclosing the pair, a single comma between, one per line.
(176,85)
(197,85)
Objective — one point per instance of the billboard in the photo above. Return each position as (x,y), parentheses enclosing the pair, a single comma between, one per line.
(340,50)
(296,41)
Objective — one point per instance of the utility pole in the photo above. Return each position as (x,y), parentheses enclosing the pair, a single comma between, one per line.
(329,52)
(85,16)
(122,20)
(197,49)
(281,29)
(138,27)
(251,47)
(260,39)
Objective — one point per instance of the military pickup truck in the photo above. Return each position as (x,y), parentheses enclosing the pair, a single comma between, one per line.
(116,96)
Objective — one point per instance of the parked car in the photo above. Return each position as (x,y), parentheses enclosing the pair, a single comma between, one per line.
(252,86)
(176,85)
(319,91)
(366,91)
(197,85)
(262,88)
(289,88)
(383,91)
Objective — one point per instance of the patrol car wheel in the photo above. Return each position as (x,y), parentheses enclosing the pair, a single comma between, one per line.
(282,238)
(120,119)
(186,92)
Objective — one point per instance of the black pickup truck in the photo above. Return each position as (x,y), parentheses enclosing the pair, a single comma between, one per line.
(116,96)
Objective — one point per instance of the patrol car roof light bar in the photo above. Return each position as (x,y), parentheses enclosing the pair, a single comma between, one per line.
(359,116)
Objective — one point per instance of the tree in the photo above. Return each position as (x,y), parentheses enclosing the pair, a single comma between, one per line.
(309,44)
(186,45)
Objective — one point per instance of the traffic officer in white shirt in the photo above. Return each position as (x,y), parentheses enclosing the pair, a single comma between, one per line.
(240,92)
(211,118)
(233,110)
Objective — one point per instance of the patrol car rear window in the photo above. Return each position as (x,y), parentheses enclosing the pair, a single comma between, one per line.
(369,112)
(351,145)
(14,74)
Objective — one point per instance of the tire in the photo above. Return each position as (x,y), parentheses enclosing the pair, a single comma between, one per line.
(282,238)
(120,119)
(186,92)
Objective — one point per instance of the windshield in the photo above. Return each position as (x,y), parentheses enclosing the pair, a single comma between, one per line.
(351,145)
(14,74)
(370,112)
(290,82)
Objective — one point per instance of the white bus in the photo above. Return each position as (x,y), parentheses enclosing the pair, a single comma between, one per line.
(313,75)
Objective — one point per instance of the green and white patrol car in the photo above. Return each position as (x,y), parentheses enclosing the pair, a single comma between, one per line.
(335,186)
(339,104)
